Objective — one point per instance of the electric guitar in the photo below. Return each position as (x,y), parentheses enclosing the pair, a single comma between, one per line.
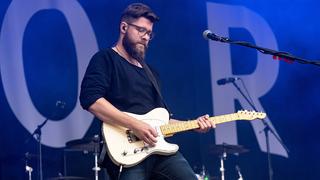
(126,149)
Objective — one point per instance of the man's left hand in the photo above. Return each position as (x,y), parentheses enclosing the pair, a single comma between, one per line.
(205,124)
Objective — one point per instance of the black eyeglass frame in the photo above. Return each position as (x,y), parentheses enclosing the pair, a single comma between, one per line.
(143,31)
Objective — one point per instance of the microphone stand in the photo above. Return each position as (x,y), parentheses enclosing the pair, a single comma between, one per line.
(287,57)
(266,131)
(37,133)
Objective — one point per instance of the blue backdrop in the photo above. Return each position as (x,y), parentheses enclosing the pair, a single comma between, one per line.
(46,45)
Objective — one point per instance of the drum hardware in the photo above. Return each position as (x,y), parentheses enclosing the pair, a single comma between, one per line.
(96,168)
(30,158)
(222,150)
(67,178)
(222,158)
(239,173)
(28,168)
(202,174)
(86,145)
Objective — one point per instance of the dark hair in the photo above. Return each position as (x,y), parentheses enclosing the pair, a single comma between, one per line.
(137,10)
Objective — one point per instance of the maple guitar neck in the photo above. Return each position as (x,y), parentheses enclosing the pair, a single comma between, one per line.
(170,129)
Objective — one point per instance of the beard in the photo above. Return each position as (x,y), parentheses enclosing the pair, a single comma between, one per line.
(133,48)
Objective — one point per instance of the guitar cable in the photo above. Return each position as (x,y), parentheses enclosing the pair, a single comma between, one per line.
(120,170)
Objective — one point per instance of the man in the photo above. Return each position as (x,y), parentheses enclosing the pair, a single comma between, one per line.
(116,82)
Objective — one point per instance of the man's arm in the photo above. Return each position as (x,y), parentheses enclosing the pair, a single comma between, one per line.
(107,113)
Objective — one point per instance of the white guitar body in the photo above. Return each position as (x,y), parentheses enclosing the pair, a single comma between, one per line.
(126,150)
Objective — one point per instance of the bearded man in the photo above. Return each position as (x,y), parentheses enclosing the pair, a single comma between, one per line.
(117,81)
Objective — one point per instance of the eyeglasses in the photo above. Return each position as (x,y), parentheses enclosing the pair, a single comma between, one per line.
(142,31)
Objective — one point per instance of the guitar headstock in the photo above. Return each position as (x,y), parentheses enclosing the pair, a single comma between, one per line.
(250,115)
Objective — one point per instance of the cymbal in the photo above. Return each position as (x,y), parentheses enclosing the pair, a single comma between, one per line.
(228,148)
(67,178)
(85,144)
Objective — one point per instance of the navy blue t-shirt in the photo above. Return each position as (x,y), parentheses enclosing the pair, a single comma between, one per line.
(123,84)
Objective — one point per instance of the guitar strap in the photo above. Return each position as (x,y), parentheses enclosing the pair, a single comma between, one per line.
(154,82)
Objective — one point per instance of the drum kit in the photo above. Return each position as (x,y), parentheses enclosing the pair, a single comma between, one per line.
(86,146)
(89,145)
(92,146)
(222,151)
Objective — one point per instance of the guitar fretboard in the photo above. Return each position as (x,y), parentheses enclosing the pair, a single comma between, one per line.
(170,129)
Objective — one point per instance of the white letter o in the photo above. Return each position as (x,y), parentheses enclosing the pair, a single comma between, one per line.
(54,133)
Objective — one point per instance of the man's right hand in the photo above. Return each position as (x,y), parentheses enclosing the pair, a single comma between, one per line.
(105,111)
(145,132)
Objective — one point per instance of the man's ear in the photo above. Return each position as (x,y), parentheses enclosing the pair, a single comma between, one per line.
(123,27)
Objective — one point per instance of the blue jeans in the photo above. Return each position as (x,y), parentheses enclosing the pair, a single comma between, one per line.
(157,167)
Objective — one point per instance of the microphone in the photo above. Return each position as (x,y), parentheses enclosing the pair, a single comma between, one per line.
(224,81)
(207,34)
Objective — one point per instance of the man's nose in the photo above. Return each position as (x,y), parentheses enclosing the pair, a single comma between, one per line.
(146,36)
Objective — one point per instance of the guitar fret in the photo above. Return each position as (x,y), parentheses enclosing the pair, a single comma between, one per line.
(224,118)
(178,127)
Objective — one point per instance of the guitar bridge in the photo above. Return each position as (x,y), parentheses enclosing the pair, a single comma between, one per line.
(139,150)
